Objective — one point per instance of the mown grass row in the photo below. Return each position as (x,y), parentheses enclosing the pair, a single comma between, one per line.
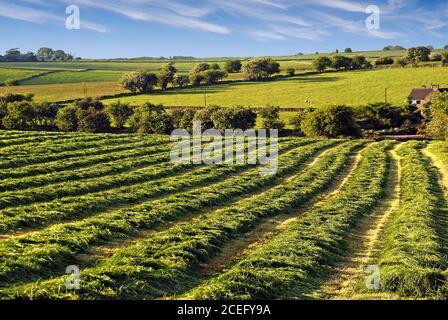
(73,145)
(102,148)
(286,266)
(28,140)
(166,261)
(79,162)
(412,258)
(46,253)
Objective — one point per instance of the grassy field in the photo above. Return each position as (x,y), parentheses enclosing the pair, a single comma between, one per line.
(75,77)
(6,74)
(352,88)
(59,92)
(140,227)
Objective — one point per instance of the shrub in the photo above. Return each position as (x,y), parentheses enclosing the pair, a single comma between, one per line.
(67,119)
(213,76)
(384,61)
(151,118)
(12,97)
(291,72)
(341,62)
(118,114)
(88,103)
(12,82)
(401,62)
(234,118)
(445,58)
(186,121)
(233,66)
(19,116)
(436,57)
(44,115)
(271,118)
(196,78)
(205,116)
(331,122)
(139,81)
(93,121)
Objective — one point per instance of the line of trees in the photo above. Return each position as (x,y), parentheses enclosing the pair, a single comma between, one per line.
(340,62)
(44,54)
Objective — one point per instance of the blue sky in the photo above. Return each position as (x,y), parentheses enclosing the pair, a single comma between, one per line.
(217,28)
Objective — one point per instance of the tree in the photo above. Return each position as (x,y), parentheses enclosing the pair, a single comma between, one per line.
(341,62)
(118,114)
(233,66)
(13,55)
(139,81)
(19,116)
(296,121)
(45,54)
(437,127)
(377,116)
(93,121)
(213,76)
(186,121)
(401,62)
(331,122)
(196,78)
(201,67)
(394,48)
(215,66)
(430,47)
(445,58)
(67,119)
(166,76)
(234,118)
(44,115)
(271,118)
(417,55)
(436,57)
(204,116)
(322,63)
(181,80)
(89,102)
(261,69)
(348,50)
(445,47)
(360,62)
(291,72)
(151,118)
(383,61)
(13,97)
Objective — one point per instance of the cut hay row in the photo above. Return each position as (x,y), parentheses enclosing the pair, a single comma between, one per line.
(47,252)
(286,266)
(413,258)
(164,263)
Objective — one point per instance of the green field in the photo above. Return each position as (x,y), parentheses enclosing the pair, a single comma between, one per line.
(141,227)
(6,74)
(352,88)
(75,77)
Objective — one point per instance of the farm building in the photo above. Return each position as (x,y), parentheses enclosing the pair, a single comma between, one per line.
(423,96)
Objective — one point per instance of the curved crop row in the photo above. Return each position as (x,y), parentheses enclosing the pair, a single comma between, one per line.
(154,266)
(44,253)
(285,266)
(412,260)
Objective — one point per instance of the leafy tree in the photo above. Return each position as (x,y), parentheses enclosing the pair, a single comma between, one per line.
(119,114)
(271,118)
(205,116)
(401,62)
(322,63)
(291,72)
(436,57)
(196,78)
(151,118)
(437,127)
(93,121)
(139,81)
(89,102)
(233,66)
(45,54)
(341,62)
(296,121)
(186,121)
(445,58)
(417,55)
(383,61)
(19,116)
(331,122)
(13,55)
(215,66)
(378,116)
(67,119)
(234,118)
(166,76)
(213,76)
(445,47)
(360,62)
(44,115)
(181,80)
(348,50)
(261,69)
(201,67)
